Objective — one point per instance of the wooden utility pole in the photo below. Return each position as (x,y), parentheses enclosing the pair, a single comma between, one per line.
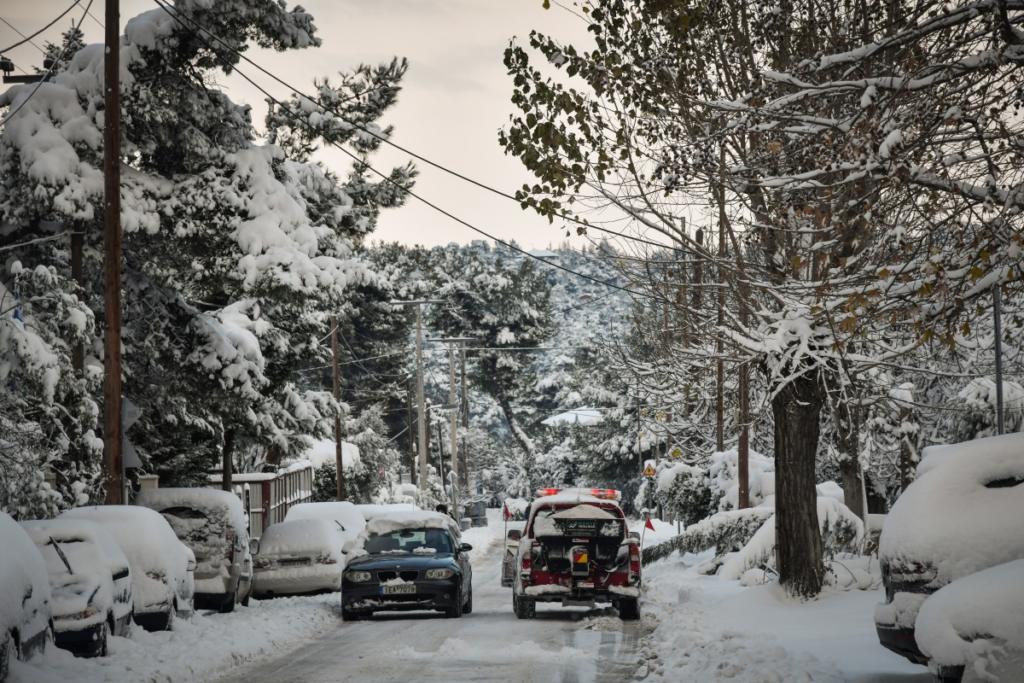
(420,400)
(339,462)
(77,239)
(112,456)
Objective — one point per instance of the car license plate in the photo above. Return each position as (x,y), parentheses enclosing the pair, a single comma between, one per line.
(400,589)
(585,584)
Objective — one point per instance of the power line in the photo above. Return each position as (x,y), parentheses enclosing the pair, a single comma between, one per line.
(49,71)
(387,141)
(388,179)
(28,39)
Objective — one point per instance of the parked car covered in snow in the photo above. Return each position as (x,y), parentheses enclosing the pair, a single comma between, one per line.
(162,566)
(345,517)
(24,596)
(297,557)
(961,515)
(976,623)
(408,560)
(576,550)
(213,525)
(90,582)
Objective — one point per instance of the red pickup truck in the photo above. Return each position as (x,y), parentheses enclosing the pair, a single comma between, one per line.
(574,550)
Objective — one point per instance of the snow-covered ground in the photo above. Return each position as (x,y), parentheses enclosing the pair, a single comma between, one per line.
(198,649)
(708,629)
(694,628)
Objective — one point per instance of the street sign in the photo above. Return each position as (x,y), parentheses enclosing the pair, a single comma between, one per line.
(649,471)
(676,453)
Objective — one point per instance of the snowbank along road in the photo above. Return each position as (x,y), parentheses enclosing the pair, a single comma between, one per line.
(565,645)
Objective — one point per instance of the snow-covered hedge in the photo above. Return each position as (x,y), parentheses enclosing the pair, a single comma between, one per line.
(745,539)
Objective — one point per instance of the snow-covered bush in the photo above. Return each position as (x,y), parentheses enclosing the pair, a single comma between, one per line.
(841,531)
(724,476)
(978,403)
(684,490)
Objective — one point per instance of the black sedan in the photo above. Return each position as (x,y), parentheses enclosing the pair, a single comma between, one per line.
(408,568)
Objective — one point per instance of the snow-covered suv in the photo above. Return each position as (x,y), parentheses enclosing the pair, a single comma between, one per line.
(576,550)
(961,515)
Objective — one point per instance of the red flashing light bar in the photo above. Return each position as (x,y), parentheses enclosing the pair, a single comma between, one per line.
(605,494)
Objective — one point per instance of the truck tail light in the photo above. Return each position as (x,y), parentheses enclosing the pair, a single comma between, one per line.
(229,538)
(526,561)
(634,562)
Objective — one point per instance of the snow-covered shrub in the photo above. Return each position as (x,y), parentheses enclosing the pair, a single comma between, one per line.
(684,491)
(841,531)
(724,476)
(725,531)
(978,403)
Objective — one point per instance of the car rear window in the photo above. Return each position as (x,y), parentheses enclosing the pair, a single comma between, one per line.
(410,541)
(184,513)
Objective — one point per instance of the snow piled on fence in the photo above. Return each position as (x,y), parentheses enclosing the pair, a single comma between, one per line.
(196,650)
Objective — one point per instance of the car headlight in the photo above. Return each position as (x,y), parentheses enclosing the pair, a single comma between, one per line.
(87,613)
(358,577)
(439,573)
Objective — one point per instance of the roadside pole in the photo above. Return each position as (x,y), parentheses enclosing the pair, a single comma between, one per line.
(997,313)
(420,401)
(112,446)
(453,414)
(339,463)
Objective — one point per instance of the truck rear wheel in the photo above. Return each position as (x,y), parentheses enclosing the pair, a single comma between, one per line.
(629,609)
(525,608)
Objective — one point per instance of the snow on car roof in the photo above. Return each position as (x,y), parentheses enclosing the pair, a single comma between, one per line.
(962,513)
(21,566)
(300,536)
(410,519)
(64,530)
(990,602)
(584,511)
(936,456)
(143,534)
(199,499)
(340,511)
(370,510)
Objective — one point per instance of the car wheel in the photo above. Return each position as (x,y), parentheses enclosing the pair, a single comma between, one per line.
(173,612)
(455,611)
(629,609)
(8,653)
(103,639)
(229,603)
(468,609)
(349,615)
(525,608)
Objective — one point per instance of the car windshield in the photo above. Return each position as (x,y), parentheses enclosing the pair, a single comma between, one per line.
(419,541)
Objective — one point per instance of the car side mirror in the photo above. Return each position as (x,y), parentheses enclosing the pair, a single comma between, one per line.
(514,534)
(191,566)
(465,548)
(635,535)
(254,546)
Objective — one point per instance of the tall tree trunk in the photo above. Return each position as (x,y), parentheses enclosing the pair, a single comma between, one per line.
(797,410)
(848,422)
(521,437)
(227,452)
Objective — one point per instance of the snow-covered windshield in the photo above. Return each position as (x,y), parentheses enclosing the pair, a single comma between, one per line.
(418,541)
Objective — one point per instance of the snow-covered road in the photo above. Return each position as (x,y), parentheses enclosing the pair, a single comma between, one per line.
(563,645)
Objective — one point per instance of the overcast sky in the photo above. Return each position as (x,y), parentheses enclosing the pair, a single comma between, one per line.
(455,96)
